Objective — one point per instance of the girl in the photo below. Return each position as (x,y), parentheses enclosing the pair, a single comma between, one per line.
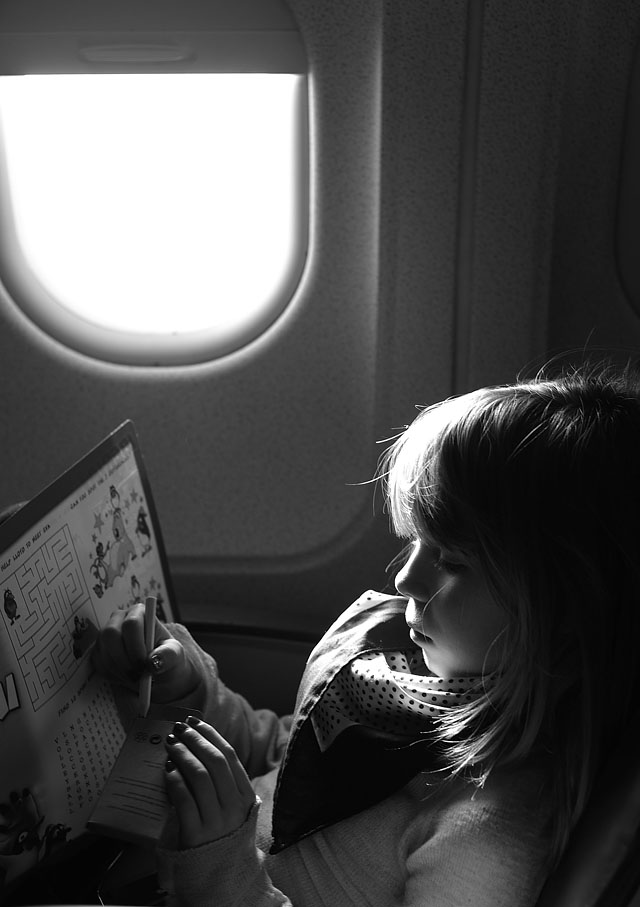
(445,740)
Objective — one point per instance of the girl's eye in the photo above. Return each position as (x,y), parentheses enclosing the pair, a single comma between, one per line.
(442,562)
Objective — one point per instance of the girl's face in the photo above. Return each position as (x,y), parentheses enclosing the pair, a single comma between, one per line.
(451,614)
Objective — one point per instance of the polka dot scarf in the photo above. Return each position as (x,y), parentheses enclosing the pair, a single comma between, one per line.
(389,691)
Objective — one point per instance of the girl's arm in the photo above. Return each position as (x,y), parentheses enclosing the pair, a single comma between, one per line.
(184,675)
(210,855)
(258,736)
(228,872)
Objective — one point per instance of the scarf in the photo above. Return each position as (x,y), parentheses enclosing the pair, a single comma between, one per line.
(392,692)
(365,759)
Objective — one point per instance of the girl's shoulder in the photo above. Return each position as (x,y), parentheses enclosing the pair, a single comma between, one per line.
(498,834)
(515,800)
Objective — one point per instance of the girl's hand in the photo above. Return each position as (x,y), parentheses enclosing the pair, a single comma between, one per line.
(206,783)
(120,654)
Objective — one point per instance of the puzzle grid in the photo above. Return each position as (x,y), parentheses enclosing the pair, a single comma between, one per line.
(50,591)
(87,747)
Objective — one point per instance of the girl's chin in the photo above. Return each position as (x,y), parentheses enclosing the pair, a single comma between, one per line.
(429,663)
(419,639)
(430,657)
(431,666)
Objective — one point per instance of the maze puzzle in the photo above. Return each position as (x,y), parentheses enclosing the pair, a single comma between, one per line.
(50,593)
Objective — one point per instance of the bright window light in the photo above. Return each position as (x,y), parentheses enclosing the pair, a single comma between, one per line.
(164,207)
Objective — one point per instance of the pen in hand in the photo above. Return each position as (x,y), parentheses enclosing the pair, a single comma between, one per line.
(144,688)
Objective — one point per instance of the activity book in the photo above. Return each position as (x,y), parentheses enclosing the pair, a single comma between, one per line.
(88,545)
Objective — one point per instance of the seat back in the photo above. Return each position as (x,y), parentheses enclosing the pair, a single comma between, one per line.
(601,865)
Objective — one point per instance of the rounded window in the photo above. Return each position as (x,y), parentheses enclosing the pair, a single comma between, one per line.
(153,218)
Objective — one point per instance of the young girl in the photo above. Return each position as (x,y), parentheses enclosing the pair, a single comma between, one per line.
(445,740)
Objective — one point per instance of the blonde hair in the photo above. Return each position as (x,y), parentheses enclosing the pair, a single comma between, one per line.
(538,484)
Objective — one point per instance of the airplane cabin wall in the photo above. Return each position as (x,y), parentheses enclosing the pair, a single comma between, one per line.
(588,304)
(463,172)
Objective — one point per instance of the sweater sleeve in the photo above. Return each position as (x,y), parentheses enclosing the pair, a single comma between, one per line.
(258,736)
(228,872)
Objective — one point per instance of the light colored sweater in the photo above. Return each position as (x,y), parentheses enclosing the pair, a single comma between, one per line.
(428,844)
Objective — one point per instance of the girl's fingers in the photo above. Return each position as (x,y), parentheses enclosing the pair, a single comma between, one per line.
(233,764)
(132,629)
(211,779)
(186,808)
(189,758)
(167,655)
(174,675)
(119,651)
(110,657)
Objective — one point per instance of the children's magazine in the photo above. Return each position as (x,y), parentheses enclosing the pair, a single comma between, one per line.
(88,545)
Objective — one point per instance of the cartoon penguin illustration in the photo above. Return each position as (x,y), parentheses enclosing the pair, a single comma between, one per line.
(123,550)
(99,569)
(142,529)
(115,497)
(10,606)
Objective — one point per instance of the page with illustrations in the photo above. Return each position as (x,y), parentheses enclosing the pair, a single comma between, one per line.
(88,545)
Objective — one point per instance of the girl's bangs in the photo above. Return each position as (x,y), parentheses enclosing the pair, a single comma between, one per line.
(421,499)
(412,484)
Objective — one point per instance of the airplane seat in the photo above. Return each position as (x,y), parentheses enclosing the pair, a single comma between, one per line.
(601,864)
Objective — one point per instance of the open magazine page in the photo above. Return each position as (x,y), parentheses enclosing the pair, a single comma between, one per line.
(60,731)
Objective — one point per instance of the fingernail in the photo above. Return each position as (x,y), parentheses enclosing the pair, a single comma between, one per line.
(179,728)
(193,721)
(171,740)
(157,663)
(169,767)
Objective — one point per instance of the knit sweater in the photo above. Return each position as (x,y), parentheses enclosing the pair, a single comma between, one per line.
(428,843)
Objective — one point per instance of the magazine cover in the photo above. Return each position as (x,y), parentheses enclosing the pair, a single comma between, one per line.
(88,545)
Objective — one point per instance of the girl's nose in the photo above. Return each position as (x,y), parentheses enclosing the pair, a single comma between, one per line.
(413,579)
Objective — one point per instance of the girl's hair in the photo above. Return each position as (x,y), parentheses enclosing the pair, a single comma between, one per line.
(538,484)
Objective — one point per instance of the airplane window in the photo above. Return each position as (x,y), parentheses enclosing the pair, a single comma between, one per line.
(153,218)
